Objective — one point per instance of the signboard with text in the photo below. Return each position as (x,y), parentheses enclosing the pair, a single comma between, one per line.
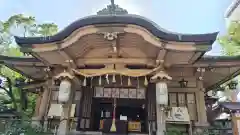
(178,114)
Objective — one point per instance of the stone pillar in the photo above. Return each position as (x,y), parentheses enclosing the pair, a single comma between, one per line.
(63,128)
(162,102)
(161,123)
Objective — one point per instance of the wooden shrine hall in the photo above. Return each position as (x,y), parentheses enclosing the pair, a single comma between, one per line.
(120,73)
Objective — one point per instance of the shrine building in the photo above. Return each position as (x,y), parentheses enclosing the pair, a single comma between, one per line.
(120,73)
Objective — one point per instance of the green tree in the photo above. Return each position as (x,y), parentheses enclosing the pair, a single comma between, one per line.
(12,96)
(231,41)
(23,26)
(47,29)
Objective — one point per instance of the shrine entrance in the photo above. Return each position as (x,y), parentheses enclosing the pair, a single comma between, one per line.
(130,112)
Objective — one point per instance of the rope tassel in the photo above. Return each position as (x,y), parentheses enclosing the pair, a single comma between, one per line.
(145,81)
(129,81)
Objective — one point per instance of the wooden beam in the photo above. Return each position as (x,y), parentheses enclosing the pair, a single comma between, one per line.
(213,65)
(32,86)
(89,61)
(161,54)
(195,56)
(67,59)
(104,71)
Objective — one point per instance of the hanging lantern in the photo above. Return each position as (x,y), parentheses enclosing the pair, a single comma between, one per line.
(64,91)
(183,83)
(233,85)
(145,81)
(113,79)
(162,93)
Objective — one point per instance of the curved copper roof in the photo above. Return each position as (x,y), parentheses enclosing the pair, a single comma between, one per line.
(120,19)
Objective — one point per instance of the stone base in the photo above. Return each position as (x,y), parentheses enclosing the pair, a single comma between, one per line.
(98,133)
(200,128)
(36,122)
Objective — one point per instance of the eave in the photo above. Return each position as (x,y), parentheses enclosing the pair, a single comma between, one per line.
(219,69)
(29,67)
(33,86)
(198,39)
(221,62)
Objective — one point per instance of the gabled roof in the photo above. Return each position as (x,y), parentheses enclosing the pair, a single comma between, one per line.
(206,39)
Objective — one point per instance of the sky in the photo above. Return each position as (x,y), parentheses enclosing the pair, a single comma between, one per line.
(181,16)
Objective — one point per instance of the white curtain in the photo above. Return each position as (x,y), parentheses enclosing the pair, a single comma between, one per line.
(162,93)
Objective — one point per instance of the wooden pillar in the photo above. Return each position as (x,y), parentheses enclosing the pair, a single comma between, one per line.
(151,106)
(235,119)
(235,116)
(38,103)
(202,114)
(42,106)
(201,106)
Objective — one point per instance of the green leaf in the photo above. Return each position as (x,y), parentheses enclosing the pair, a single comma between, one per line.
(231,41)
